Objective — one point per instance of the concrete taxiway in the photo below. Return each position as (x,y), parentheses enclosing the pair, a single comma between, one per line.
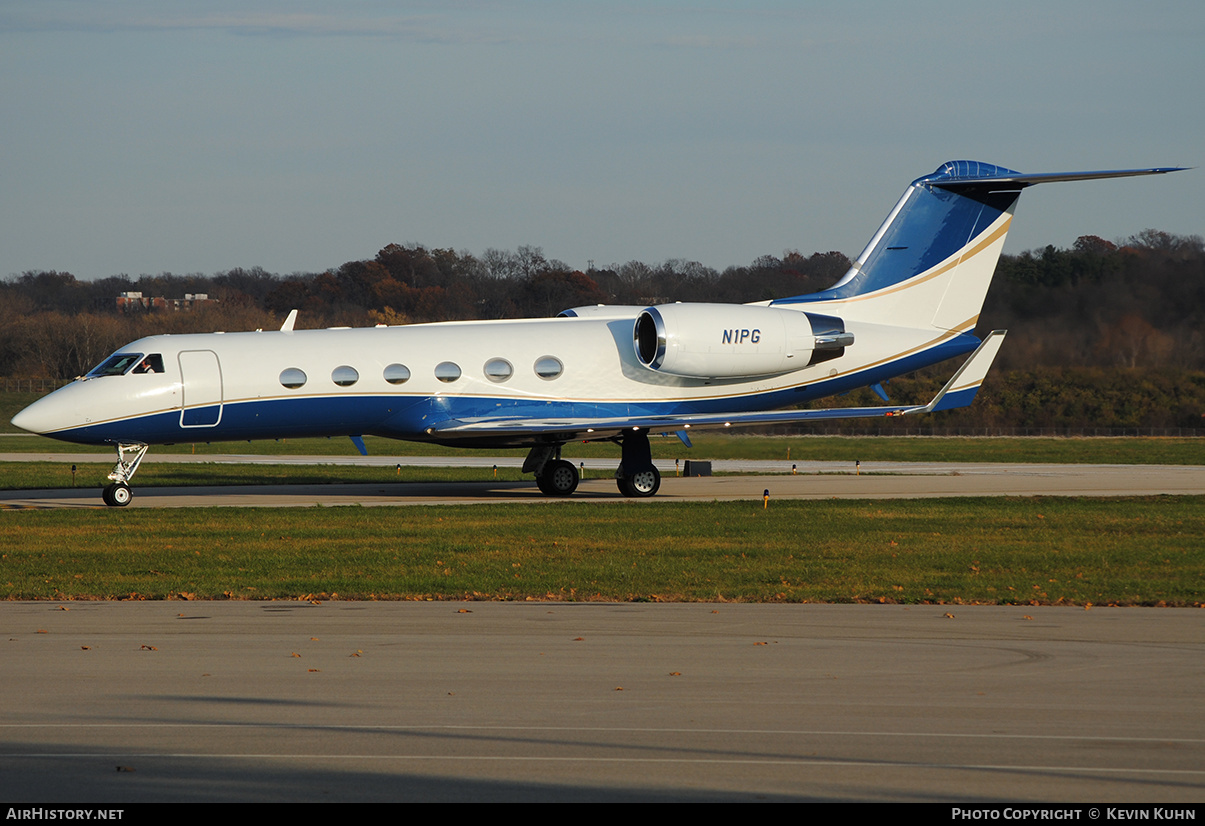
(112,703)
(237,701)
(813,480)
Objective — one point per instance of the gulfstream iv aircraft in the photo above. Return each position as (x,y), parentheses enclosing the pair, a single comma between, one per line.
(601,373)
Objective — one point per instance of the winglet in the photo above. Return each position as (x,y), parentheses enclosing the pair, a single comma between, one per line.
(287,327)
(960,390)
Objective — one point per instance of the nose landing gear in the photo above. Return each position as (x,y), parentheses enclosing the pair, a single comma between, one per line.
(118,494)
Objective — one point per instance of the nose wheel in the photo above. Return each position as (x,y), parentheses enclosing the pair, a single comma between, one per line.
(117,495)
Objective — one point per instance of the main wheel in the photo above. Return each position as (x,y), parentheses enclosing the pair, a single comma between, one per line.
(117,495)
(640,485)
(559,478)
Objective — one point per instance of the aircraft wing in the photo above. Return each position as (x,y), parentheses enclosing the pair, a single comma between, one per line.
(959,391)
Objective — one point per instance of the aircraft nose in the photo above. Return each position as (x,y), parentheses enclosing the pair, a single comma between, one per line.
(31,419)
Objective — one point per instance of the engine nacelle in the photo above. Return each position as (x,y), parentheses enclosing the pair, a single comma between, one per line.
(707,341)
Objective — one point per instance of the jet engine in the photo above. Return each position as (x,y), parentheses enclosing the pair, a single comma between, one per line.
(707,341)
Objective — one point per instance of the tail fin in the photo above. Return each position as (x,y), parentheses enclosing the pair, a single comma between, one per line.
(932,260)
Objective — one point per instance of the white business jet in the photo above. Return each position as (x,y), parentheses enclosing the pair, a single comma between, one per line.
(600,373)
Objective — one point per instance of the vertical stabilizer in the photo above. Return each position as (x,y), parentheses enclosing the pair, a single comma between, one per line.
(931,262)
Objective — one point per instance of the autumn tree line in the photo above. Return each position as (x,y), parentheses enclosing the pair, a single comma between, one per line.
(1104,334)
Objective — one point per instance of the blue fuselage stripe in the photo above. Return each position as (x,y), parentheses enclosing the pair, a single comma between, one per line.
(409,417)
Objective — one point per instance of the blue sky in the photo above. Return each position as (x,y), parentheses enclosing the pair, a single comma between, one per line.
(144,136)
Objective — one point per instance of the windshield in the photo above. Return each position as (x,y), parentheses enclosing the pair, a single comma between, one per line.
(115,365)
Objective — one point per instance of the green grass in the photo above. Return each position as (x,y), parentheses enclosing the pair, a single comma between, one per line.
(1138,551)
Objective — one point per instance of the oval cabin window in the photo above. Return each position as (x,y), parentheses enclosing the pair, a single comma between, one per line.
(549,367)
(397,374)
(292,378)
(499,370)
(446,371)
(345,376)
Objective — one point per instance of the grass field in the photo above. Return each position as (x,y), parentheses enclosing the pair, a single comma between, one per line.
(1139,551)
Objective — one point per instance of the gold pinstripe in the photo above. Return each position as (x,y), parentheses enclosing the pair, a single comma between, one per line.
(1000,232)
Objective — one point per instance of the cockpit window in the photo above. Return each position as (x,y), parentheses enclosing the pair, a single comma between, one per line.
(117,365)
(151,364)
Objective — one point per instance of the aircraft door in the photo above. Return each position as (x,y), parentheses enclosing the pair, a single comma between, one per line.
(201,388)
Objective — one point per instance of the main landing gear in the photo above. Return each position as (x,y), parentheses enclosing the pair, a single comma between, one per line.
(554,476)
(636,476)
(118,494)
(638,485)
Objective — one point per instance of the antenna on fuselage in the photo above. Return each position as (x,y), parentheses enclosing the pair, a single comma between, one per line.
(287,327)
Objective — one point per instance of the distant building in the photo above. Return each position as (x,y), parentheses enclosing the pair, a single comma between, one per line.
(133,302)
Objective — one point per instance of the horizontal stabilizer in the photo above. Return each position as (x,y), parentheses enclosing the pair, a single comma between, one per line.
(957,175)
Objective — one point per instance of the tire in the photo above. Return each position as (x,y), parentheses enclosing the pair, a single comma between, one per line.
(119,495)
(559,478)
(640,485)
(106,495)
